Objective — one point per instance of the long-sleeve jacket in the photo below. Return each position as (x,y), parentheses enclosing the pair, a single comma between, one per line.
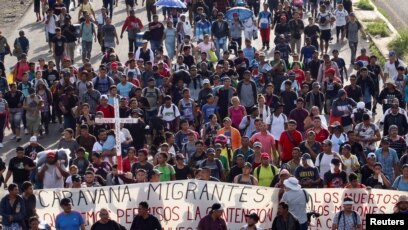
(220,31)
(6,210)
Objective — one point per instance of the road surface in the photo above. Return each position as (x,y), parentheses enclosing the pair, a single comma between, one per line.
(38,48)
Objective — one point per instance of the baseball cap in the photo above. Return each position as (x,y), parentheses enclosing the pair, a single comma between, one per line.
(210,151)
(76,178)
(306,156)
(371,155)
(104,97)
(392,53)
(257,144)
(265,155)
(179,156)
(206,81)
(156,172)
(248,165)
(33,139)
(51,154)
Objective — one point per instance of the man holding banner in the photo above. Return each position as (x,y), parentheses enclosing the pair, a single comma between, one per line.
(144,220)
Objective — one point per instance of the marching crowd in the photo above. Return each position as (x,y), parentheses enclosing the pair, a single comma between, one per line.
(206,105)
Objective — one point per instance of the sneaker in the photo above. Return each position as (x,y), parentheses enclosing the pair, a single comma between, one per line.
(1,145)
(26,131)
(18,139)
(13,137)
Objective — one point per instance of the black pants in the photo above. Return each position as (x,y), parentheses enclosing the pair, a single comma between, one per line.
(2,126)
(45,120)
(110,3)
(151,9)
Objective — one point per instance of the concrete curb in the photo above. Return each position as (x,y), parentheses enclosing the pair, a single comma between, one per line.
(379,42)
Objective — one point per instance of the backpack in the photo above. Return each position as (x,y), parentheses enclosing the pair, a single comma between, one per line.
(258,170)
(97,82)
(342,134)
(82,26)
(162,108)
(320,156)
(285,118)
(354,217)
(156,91)
(243,131)
(219,166)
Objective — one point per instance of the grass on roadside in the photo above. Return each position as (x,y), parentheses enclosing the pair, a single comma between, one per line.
(400,44)
(378,28)
(365,5)
(383,12)
(375,51)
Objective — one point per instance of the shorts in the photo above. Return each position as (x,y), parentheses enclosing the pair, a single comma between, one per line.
(33,125)
(325,35)
(50,36)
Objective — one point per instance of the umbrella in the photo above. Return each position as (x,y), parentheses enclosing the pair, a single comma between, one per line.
(171,4)
(62,155)
(243,13)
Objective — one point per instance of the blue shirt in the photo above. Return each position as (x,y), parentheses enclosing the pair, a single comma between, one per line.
(387,162)
(69,221)
(124,89)
(399,184)
(208,110)
(265,19)
(249,53)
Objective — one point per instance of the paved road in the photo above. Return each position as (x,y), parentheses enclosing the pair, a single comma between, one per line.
(396,10)
(36,35)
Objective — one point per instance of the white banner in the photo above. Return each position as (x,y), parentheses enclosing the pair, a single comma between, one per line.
(181,204)
(177,204)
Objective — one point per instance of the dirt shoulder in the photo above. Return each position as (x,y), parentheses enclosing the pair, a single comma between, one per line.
(11,12)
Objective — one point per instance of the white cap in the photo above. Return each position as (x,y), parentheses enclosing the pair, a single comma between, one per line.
(206,81)
(104,97)
(33,139)
(360,105)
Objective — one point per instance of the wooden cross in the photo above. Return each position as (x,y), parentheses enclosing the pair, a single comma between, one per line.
(117,121)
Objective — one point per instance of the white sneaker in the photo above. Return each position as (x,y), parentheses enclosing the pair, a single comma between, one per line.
(26,131)
(1,145)
(13,137)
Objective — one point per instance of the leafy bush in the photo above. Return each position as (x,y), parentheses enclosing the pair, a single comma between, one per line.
(378,28)
(400,43)
(365,5)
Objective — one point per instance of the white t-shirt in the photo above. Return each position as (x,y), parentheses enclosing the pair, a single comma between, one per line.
(341,17)
(167,114)
(326,24)
(205,47)
(124,135)
(390,68)
(278,125)
(337,141)
(325,163)
(52,24)
(53,177)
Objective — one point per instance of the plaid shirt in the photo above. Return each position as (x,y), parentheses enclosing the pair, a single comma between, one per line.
(387,162)
(202,27)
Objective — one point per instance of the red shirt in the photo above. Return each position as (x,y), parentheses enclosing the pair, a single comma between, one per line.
(127,165)
(131,22)
(108,111)
(300,76)
(322,135)
(287,145)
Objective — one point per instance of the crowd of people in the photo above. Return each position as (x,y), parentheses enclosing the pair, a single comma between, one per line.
(205,106)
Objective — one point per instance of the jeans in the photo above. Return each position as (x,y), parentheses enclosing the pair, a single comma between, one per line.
(58,61)
(15,119)
(151,9)
(295,42)
(86,50)
(353,50)
(71,51)
(220,43)
(110,3)
(2,126)
(154,45)
(69,122)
